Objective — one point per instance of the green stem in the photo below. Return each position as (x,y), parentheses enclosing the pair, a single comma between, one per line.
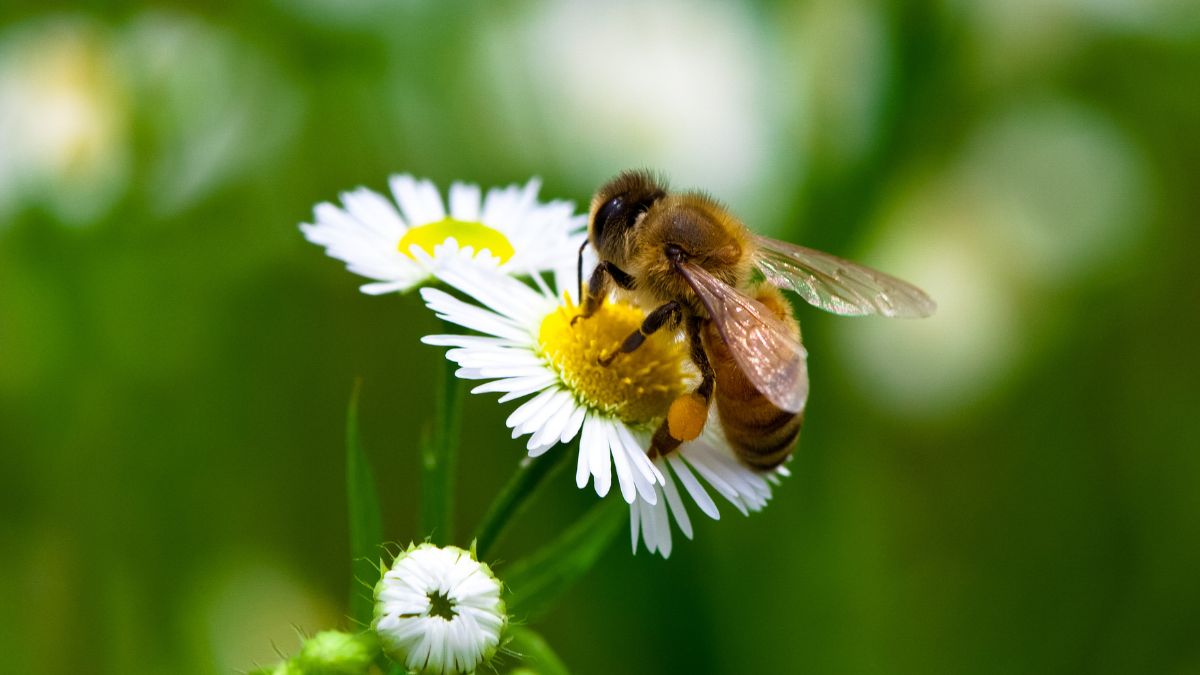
(514,497)
(439,457)
(365,519)
(537,581)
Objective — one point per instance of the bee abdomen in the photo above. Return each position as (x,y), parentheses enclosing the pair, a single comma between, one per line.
(761,434)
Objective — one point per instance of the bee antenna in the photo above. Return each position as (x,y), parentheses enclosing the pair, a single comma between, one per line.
(579,272)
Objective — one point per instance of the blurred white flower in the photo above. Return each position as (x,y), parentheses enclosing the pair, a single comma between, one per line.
(212,107)
(1057,184)
(207,107)
(838,60)
(63,119)
(438,610)
(509,229)
(686,87)
(1044,195)
(953,358)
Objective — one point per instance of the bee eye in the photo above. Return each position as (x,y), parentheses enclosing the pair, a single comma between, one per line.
(610,210)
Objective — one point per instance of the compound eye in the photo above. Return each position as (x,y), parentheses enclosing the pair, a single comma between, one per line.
(611,210)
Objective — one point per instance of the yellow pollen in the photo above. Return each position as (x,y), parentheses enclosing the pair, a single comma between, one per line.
(636,388)
(475,235)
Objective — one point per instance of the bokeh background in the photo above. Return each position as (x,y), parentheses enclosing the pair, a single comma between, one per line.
(1010,487)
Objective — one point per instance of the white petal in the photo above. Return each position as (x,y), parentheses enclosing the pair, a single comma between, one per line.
(573,425)
(528,409)
(528,385)
(500,293)
(625,442)
(454,340)
(649,535)
(662,529)
(418,200)
(585,445)
(599,456)
(625,477)
(536,425)
(676,504)
(634,523)
(552,430)
(639,459)
(699,495)
(385,287)
(375,212)
(539,450)
(717,476)
(450,308)
(465,202)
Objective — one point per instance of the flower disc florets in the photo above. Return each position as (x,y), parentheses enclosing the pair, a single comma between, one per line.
(637,387)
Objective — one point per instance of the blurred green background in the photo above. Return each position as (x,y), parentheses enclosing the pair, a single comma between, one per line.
(1012,486)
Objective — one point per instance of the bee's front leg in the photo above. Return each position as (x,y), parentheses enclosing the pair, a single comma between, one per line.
(598,287)
(661,316)
(597,290)
(688,414)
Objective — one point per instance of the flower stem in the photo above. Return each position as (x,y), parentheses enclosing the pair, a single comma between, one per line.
(538,580)
(439,458)
(514,497)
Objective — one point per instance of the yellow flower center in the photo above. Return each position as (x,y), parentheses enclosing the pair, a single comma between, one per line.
(636,388)
(475,235)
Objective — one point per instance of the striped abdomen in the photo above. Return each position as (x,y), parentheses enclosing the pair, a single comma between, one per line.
(761,434)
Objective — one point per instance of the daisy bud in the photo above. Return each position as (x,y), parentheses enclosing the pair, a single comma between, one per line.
(438,610)
(332,652)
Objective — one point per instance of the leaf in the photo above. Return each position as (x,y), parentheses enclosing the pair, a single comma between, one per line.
(537,581)
(366,524)
(514,497)
(439,458)
(536,654)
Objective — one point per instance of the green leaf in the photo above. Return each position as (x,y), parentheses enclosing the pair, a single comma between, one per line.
(537,581)
(366,524)
(439,458)
(537,657)
(514,497)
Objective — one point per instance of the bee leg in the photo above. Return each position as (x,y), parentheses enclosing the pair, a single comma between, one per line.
(662,315)
(688,414)
(620,276)
(596,291)
(597,288)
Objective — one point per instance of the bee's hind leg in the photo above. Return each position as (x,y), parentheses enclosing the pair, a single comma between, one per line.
(688,413)
(662,315)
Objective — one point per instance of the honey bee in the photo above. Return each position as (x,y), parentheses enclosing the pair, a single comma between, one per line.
(693,264)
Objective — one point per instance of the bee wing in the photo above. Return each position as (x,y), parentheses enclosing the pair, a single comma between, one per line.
(763,346)
(838,285)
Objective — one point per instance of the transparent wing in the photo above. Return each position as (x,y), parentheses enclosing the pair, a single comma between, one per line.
(838,285)
(763,346)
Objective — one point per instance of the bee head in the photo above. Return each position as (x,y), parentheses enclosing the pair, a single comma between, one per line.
(618,207)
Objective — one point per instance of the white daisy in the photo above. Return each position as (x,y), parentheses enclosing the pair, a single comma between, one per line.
(529,347)
(708,457)
(438,610)
(509,228)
